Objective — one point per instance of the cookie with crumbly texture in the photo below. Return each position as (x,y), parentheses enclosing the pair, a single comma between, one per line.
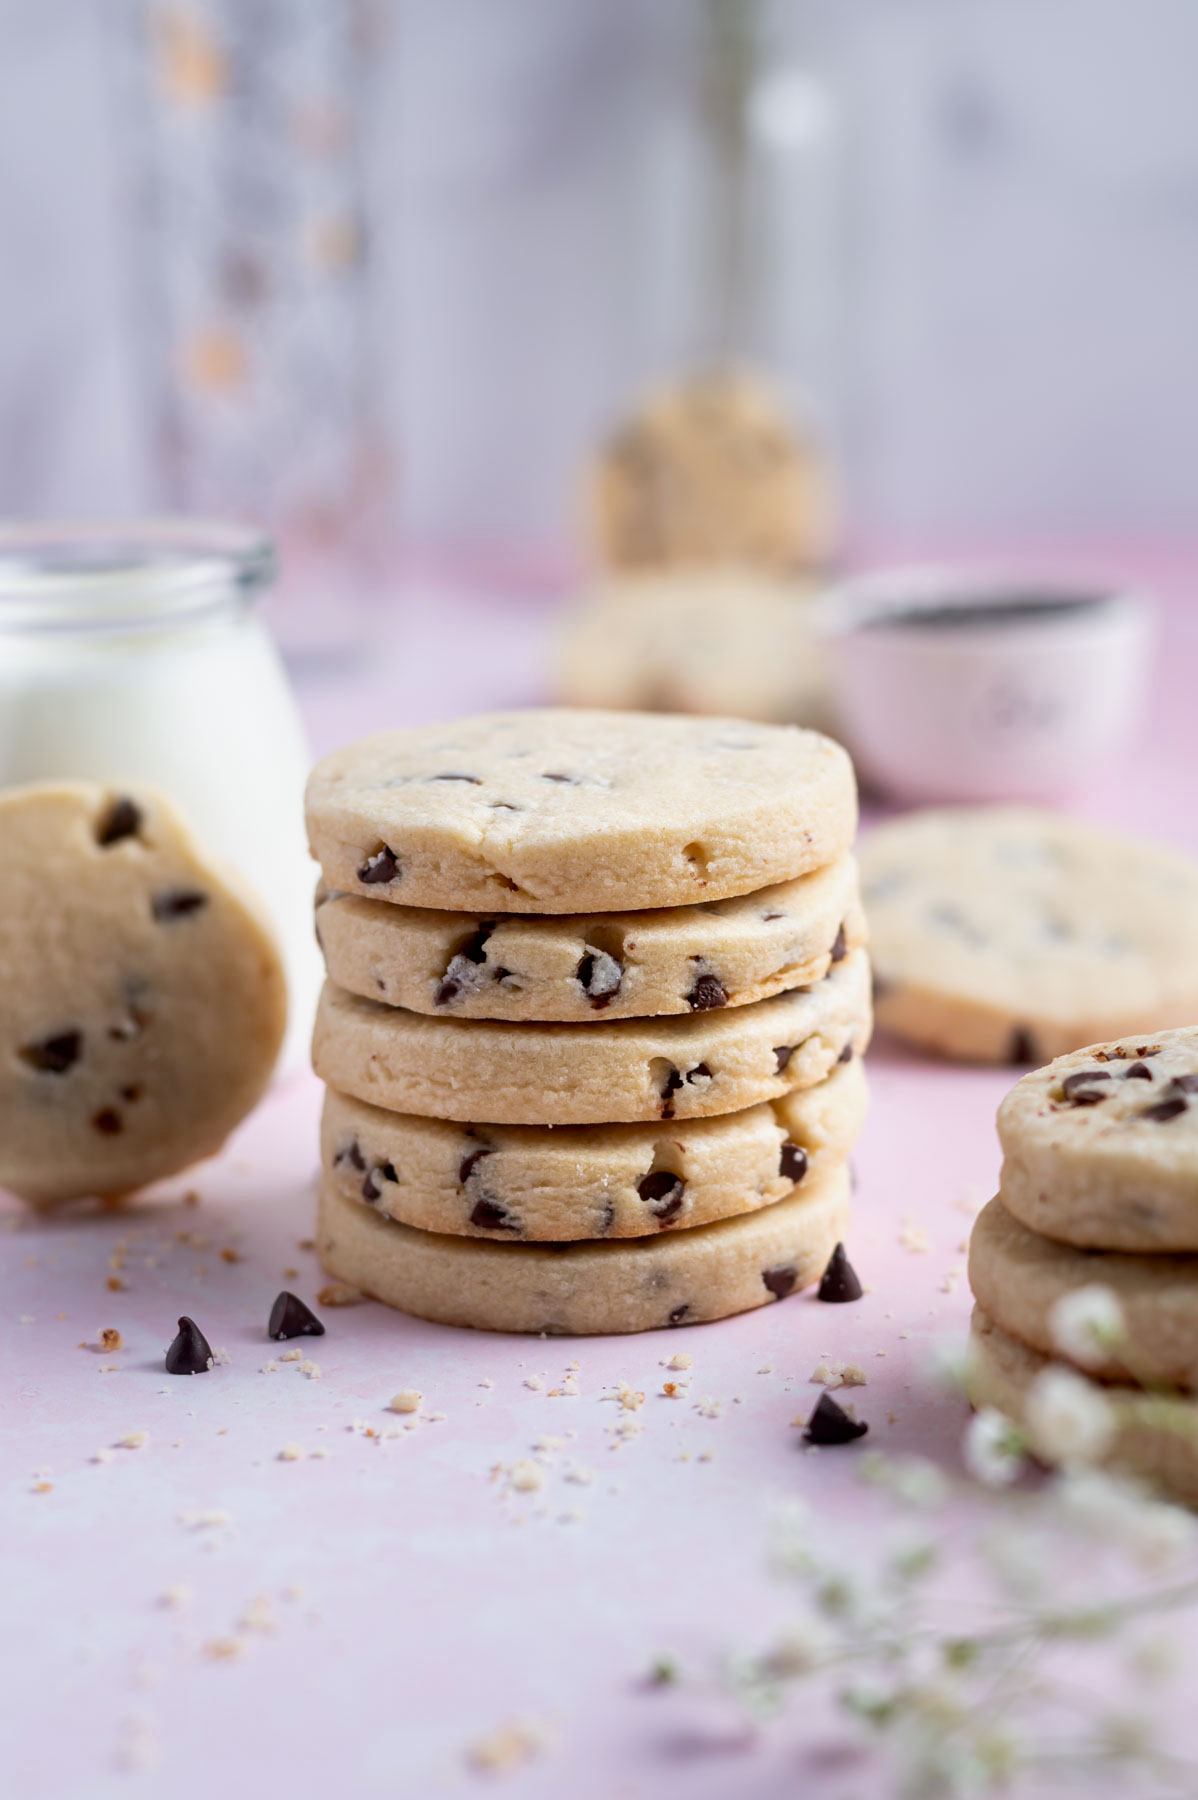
(144,997)
(1018,1277)
(1012,934)
(585,1288)
(601,966)
(711,471)
(562,811)
(672,1068)
(1153,1438)
(1100,1148)
(535,1182)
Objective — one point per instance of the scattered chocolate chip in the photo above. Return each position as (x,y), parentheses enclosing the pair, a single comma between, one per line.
(1184,1084)
(707,993)
(475,780)
(189,1353)
(599,975)
(780,1280)
(1164,1110)
(122,820)
(782,1055)
(470,1163)
(1139,1071)
(1083,1078)
(177,903)
(108,1122)
(350,1153)
(381,867)
(846,1055)
(54,1055)
(488,1215)
(678,1316)
(838,1283)
(289,1318)
(700,1072)
(830,1424)
(1022,1048)
(792,1163)
(663,1193)
(840,947)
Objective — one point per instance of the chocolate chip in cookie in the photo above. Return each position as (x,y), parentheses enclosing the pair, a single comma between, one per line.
(780,1280)
(663,1193)
(380,868)
(54,1055)
(792,1162)
(122,820)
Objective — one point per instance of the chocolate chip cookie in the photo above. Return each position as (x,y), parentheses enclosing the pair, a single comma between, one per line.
(679,1278)
(531,1182)
(144,998)
(597,967)
(1010,934)
(561,811)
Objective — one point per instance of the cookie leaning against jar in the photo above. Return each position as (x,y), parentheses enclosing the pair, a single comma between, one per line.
(1011,935)
(568,811)
(145,1000)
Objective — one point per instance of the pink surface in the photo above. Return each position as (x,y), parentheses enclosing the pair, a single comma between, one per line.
(418,1603)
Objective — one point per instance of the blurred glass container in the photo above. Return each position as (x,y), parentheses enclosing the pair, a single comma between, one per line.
(247,124)
(131,652)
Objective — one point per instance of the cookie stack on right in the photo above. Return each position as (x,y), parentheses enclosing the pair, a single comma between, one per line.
(598,995)
(1099,1188)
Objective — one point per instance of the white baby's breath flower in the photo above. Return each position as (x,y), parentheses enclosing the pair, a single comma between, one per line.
(1068,1418)
(1087,1325)
(800,1649)
(993,1448)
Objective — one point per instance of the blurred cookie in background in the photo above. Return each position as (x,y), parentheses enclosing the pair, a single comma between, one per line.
(710,470)
(730,641)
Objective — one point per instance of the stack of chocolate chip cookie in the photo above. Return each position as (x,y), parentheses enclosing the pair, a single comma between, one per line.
(597,997)
(1099,1191)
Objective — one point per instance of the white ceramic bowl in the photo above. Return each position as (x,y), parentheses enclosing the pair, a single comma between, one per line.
(957,685)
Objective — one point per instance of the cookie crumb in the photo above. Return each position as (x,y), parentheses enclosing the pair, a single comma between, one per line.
(291,1356)
(311,1369)
(681,1359)
(133,1440)
(506,1749)
(338,1293)
(229,1255)
(224,1649)
(406,1401)
(525,1477)
(178,1597)
(111,1339)
(291,1453)
(534,1382)
(115,1285)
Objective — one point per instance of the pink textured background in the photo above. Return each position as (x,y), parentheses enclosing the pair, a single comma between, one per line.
(418,1606)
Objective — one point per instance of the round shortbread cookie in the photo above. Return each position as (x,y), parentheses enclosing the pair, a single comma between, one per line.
(588,1181)
(1007,934)
(144,998)
(711,471)
(606,966)
(580,1289)
(1101,1147)
(560,811)
(1017,1277)
(727,641)
(1154,1438)
(689,1068)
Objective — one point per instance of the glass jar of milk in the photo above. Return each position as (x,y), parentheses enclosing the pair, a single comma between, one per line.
(130,652)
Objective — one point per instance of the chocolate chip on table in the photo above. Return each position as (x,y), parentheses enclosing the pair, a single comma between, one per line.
(488,1215)
(108,1122)
(122,820)
(707,993)
(54,1055)
(679,1314)
(1165,1110)
(382,867)
(1022,1048)
(840,947)
(792,1162)
(599,975)
(470,1163)
(189,1353)
(782,1055)
(1139,1071)
(839,1284)
(663,1193)
(830,1424)
(177,903)
(290,1318)
(1083,1078)
(780,1280)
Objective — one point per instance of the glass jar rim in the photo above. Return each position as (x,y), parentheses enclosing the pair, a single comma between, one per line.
(123,574)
